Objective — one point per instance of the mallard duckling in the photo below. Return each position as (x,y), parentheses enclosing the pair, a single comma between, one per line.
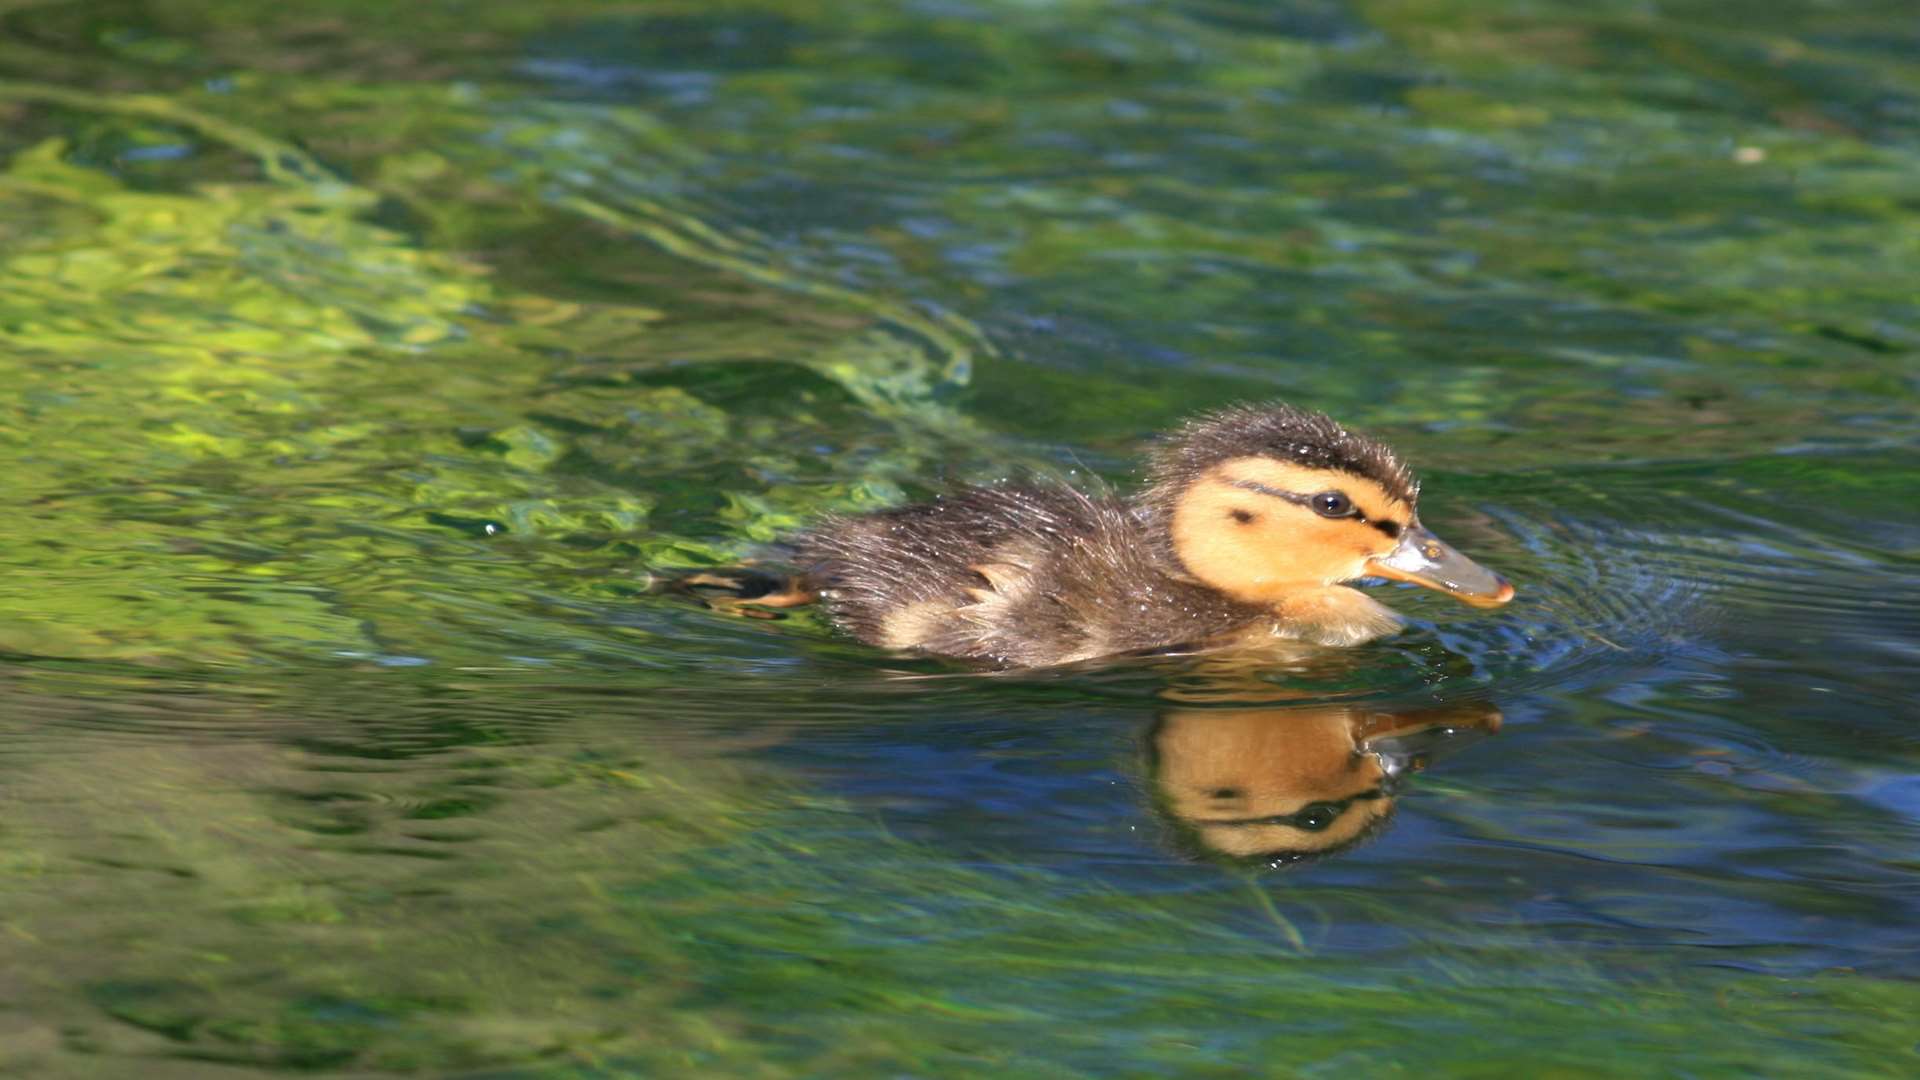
(1252,521)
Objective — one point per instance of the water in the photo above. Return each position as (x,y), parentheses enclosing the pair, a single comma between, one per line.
(363,363)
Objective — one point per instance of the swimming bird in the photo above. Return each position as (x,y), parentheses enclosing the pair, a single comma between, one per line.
(1252,525)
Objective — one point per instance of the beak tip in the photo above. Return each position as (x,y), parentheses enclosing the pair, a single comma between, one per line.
(1494,599)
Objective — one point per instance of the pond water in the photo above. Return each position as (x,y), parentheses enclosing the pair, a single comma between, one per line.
(365,363)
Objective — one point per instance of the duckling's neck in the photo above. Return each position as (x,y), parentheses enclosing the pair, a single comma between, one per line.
(1333,615)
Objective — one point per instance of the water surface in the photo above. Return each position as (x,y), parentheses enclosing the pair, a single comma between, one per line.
(364,365)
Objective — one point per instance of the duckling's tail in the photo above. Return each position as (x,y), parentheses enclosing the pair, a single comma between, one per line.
(740,590)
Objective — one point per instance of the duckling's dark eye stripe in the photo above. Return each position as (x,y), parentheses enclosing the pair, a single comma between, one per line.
(1298,818)
(1390,528)
(1293,497)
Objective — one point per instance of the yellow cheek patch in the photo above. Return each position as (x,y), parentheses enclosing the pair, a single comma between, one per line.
(1260,547)
(1241,557)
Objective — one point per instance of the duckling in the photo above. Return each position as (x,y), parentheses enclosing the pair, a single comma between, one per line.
(1251,524)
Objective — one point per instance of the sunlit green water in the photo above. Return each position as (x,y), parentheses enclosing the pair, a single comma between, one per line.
(361,362)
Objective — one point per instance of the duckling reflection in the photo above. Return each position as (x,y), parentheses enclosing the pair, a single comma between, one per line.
(1280,786)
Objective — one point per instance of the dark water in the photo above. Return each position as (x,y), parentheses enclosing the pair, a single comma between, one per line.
(362,362)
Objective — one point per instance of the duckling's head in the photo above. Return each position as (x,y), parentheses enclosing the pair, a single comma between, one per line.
(1266,502)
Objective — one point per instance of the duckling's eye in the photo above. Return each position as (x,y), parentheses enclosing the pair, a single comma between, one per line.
(1318,816)
(1332,504)
(1244,517)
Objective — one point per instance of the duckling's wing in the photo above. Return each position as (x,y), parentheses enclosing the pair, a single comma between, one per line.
(1112,591)
(950,576)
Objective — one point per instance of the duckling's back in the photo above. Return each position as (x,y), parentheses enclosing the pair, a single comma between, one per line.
(1013,576)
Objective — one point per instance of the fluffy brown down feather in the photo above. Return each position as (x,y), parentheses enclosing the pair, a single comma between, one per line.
(1012,576)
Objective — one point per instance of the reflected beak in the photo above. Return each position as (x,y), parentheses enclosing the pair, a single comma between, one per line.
(1425,559)
(1400,756)
(1396,768)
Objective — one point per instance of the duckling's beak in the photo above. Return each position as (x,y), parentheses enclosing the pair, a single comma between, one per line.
(1425,559)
